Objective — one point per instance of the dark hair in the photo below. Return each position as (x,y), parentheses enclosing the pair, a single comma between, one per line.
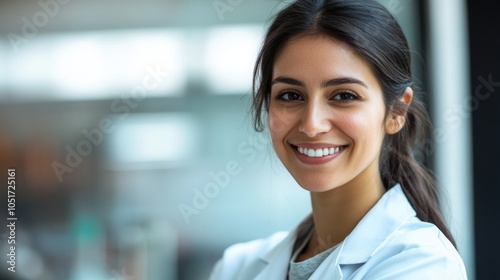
(374,34)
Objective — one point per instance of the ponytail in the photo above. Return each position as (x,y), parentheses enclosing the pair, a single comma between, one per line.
(398,164)
(374,34)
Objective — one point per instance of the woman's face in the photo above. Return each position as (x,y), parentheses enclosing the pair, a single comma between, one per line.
(326,114)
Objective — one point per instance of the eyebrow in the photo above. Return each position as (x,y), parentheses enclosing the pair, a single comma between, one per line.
(328,83)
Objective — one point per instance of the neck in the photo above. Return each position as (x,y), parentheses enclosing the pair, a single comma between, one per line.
(337,212)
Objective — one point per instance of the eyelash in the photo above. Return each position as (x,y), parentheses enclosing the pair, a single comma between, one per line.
(281,96)
(352,95)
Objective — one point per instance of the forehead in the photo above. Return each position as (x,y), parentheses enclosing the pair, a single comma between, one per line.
(314,58)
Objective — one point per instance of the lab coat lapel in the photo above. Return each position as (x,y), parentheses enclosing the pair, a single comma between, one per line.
(277,260)
(392,210)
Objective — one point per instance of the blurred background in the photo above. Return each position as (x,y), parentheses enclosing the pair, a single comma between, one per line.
(128,125)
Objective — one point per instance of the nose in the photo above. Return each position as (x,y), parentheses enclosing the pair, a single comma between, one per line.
(316,120)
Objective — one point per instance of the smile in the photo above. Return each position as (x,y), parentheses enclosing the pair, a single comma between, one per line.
(315,153)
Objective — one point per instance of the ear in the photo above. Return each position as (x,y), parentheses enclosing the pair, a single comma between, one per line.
(395,122)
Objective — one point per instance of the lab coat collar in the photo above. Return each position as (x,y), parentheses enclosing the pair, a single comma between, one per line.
(281,254)
(390,212)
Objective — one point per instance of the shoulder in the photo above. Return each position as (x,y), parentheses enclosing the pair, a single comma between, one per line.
(245,256)
(251,249)
(390,242)
(417,249)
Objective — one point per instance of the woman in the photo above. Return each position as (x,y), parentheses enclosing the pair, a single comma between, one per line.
(333,80)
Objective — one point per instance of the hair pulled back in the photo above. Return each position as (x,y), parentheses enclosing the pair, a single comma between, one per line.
(374,34)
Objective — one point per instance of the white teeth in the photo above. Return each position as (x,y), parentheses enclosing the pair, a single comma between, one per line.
(319,152)
(311,153)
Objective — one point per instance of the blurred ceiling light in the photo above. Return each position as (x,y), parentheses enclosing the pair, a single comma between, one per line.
(94,65)
(79,68)
(230,55)
(169,139)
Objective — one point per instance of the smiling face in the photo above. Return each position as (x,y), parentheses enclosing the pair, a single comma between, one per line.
(326,114)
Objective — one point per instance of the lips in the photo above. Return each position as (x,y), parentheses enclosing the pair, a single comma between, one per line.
(317,153)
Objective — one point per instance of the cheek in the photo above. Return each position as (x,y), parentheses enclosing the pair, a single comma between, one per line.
(364,125)
(279,124)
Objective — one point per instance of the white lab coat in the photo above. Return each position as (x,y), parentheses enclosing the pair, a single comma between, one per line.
(390,242)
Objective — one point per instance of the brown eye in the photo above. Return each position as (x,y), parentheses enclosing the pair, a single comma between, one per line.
(346,96)
(289,96)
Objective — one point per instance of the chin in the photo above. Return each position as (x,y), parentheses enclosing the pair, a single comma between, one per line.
(318,186)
